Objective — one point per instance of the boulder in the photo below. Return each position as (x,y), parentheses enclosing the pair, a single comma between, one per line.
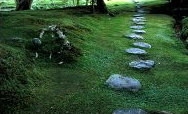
(142,64)
(136,51)
(139,31)
(142,44)
(130,111)
(119,82)
(134,36)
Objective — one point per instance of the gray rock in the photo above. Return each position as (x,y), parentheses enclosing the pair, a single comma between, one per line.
(140,23)
(136,51)
(134,36)
(138,15)
(159,112)
(142,64)
(142,44)
(36,42)
(141,17)
(139,31)
(120,82)
(137,27)
(141,11)
(129,111)
(136,20)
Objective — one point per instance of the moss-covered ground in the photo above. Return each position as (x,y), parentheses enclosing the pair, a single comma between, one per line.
(79,87)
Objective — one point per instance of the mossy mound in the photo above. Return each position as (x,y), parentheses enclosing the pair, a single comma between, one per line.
(16,78)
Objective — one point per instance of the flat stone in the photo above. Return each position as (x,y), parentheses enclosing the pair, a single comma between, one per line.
(138,6)
(142,44)
(138,20)
(119,82)
(141,11)
(137,27)
(141,17)
(134,36)
(138,111)
(159,112)
(138,15)
(129,111)
(137,51)
(140,23)
(142,64)
(139,31)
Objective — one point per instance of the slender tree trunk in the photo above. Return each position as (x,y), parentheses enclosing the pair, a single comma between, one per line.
(23,4)
(78,2)
(87,1)
(93,7)
(73,2)
(101,6)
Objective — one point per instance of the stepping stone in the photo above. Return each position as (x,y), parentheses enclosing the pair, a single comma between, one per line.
(141,17)
(142,44)
(134,36)
(130,111)
(140,23)
(139,31)
(138,111)
(141,11)
(138,20)
(142,64)
(138,15)
(119,82)
(137,27)
(136,51)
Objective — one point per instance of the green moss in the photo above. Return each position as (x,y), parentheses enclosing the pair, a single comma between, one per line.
(185,28)
(80,87)
(16,79)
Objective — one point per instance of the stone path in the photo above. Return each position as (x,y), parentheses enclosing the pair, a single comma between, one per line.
(120,82)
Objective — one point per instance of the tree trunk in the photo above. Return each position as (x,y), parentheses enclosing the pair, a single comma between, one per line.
(73,2)
(101,6)
(87,1)
(23,4)
(93,7)
(78,2)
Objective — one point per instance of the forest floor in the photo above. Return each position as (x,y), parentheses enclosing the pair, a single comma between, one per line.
(79,87)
